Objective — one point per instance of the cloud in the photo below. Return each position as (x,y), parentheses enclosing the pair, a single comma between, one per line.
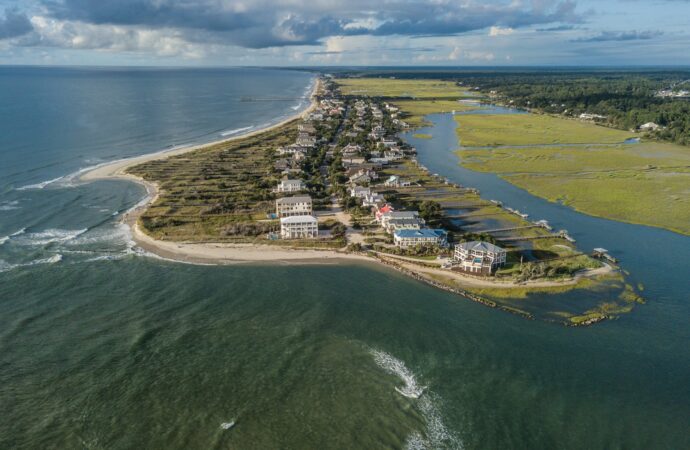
(48,32)
(498,31)
(558,28)
(266,23)
(605,36)
(471,55)
(14,24)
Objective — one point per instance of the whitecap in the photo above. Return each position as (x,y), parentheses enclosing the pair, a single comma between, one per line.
(49,236)
(40,185)
(6,267)
(9,206)
(7,238)
(235,131)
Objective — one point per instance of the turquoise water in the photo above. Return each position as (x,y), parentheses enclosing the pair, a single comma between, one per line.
(106,347)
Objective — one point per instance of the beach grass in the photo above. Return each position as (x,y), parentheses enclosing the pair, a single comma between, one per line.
(218,193)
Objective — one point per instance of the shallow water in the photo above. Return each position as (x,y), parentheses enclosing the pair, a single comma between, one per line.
(109,348)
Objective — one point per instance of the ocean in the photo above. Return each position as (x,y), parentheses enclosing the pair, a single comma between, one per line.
(105,346)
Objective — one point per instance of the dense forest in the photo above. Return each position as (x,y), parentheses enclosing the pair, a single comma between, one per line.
(626,100)
(626,97)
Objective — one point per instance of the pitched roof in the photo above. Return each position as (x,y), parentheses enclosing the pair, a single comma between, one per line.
(423,233)
(295,199)
(297,219)
(480,246)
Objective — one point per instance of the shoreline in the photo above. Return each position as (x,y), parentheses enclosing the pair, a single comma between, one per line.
(215,254)
(230,254)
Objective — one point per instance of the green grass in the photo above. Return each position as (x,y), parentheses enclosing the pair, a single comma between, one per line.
(416,110)
(479,130)
(422,136)
(642,183)
(387,87)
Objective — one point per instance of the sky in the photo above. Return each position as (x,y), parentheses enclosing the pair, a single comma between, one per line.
(345,33)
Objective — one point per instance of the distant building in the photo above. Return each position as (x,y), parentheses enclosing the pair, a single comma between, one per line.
(299,227)
(479,257)
(290,186)
(359,192)
(294,206)
(425,236)
(649,126)
(396,181)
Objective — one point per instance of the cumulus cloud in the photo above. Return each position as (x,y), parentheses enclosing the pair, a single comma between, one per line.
(621,36)
(14,24)
(48,32)
(271,23)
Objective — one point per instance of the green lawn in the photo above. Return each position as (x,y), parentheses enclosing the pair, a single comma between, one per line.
(480,130)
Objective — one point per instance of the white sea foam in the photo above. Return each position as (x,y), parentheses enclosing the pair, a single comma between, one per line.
(9,206)
(117,234)
(436,434)
(227,425)
(396,367)
(7,238)
(49,236)
(40,185)
(6,267)
(235,131)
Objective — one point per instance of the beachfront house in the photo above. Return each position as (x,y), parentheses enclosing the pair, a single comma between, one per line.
(290,186)
(422,237)
(479,257)
(300,205)
(299,227)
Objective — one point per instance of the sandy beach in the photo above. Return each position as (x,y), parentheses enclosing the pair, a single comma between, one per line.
(209,253)
(219,253)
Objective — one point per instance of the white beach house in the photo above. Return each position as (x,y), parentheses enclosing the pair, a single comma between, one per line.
(290,186)
(294,206)
(299,227)
(479,257)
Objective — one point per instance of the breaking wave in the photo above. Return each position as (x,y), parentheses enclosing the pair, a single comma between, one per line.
(235,131)
(40,185)
(6,267)
(48,236)
(9,206)
(436,435)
